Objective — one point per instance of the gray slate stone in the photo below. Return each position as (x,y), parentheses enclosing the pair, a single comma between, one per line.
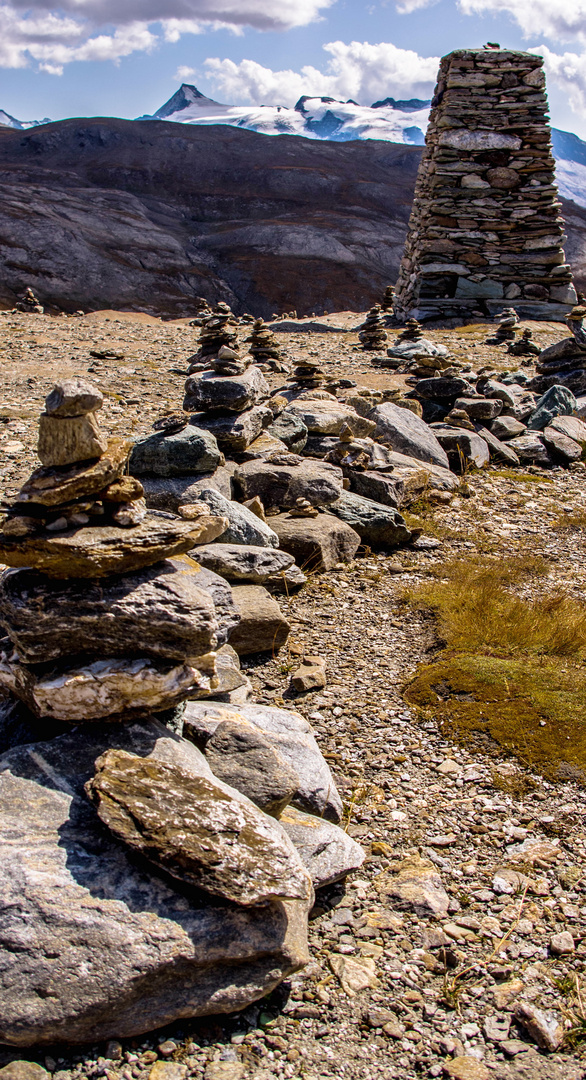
(316,543)
(245,527)
(561,446)
(557,401)
(531,449)
(236,431)
(227,614)
(407,433)
(241,756)
(240,562)
(170,493)
(571,426)
(479,408)
(382,487)
(226,393)
(161,611)
(190,450)
(290,734)
(318,446)
(113,949)
(327,852)
(281,485)
(445,387)
(375,523)
(500,451)
(291,430)
(262,626)
(462,444)
(506,427)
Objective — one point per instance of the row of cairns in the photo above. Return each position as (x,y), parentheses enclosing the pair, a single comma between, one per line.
(161,835)
(219,346)
(509,417)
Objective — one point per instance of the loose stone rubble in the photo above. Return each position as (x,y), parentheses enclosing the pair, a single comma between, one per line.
(485,224)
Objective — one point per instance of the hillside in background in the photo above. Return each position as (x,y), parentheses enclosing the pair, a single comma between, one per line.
(146,216)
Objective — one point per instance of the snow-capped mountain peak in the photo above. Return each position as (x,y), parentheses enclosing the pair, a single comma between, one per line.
(6,120)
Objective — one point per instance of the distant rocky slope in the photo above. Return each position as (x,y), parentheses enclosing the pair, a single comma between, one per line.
(98,213)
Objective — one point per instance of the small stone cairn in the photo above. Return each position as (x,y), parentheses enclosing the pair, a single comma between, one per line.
(564,363)
(264,347)
(507,323)
(28,302)
(372,333)
(388,300)
(217,332)
(308,376)
(203,311)
(525,346)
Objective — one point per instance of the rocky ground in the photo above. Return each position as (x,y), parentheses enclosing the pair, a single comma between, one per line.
(491,855)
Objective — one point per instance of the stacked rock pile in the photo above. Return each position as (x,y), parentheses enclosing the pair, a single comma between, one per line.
(217,332)
(524,346)
(507,323)
(372,333)
(564,363)
(28,302)
(203,311)
(485,224)
(388,300)
(264,347)
(161,871)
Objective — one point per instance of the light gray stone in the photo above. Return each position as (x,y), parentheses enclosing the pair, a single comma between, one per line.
(327,852)
(500,451)
(384,488)
(506,427)
(169,493)
(290,734)
(245,527)
(375,523)
(531,449)
(316,543)
(561,446)
(73,397)
(462,447)
(282,485)
(231,393)
(112,950)
(240,755)
(479,408)
(238,430)
(328,417)
(403,431)
(571,426)
(190,450)
(240,562)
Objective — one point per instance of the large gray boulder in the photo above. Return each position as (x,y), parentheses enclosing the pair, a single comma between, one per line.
(227,614)
(383,487)
(557,401)
(463,447)
(500,451)
(236,431)
(290,429)
(242,562)
(327,852)
(113,948)
(245,527)
(289,733)
(316,543)
(232,393)
(282,485)
(160,611)
(407,433)
(323,416)
(169,493)
(239,754)
(375,523)
(188,451)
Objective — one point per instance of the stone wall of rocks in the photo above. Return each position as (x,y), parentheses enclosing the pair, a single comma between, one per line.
(485,225)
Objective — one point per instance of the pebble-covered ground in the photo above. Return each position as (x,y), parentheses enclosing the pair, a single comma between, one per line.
(390,993)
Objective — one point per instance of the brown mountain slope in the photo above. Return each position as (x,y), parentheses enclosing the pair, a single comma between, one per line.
(98,213)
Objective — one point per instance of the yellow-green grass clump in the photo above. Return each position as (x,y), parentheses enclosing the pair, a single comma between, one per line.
(512,670)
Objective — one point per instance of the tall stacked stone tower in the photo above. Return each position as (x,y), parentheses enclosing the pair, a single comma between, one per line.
(485,229)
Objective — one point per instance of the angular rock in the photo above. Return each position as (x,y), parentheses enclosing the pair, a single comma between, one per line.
(557,401)
(69,440)
(241,756)
(407,433)
(462,447)
(236,431)
(490,388)
(229,676)
(506,427)
(310,675)
(190,450)
(416,476)
(327,852)
(417,887)
(531,449)
(170,493)
(226,612)
(544,1028)
(241,562)
(95,552)
(498,450)
(54,487)
(562,944)
(73,397)
(290,429)
(264,446)
(478,408)
(290,734)
(465,1067)
(195,830)
(113,688)
(561,446)
(112,951)
(385,488)
(571,426)
(375,523)
(316,543)
(327,417)
(159,611)
(282,485)
(244,526)
(262,626)
(445,387)
(235,393)
(320,446)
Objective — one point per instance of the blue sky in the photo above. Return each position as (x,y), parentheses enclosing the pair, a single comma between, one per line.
(124,58)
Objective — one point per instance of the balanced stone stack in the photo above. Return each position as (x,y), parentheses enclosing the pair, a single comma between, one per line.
(564,363)
(372,333)
(264,346)
(485,224)
(217,330)
(29,303)
(388,300)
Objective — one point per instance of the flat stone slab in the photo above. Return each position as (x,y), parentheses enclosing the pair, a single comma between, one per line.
(262,626)
(238,430)
(160,611)
(112,949)
(328,417)
(190,450)
(195,830)
(290,734)
(500,451)
(169,493)
(316,543)
(96,551)
(402,430)
(282,485)
(243,562)
(56,486)
(375,523)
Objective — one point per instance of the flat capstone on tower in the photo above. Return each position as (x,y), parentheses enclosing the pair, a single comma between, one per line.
(485,228)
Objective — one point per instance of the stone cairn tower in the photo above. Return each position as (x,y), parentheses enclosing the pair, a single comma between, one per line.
(485,228)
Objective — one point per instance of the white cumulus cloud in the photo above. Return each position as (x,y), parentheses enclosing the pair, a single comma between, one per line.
(36,30)
(560,20)
(357,70)
(183,72)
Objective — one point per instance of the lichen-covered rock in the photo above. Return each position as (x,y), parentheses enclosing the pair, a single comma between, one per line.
(195,830)
(190,450)
(112,949)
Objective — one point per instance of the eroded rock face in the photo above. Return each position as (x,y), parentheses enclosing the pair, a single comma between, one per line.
(195,831)
(159,611)
(114,948)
